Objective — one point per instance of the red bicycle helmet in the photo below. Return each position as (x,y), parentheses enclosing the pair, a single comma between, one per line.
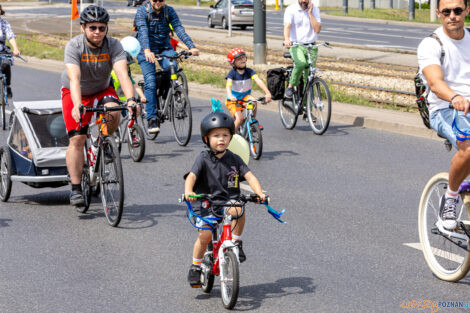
(235,53)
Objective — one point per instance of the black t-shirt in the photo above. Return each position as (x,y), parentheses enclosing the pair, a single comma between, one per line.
(219,177)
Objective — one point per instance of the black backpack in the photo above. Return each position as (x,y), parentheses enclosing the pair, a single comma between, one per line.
(420,88)
(276,78)
(148,9)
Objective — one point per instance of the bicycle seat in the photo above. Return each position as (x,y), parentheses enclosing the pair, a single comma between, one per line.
(287,55)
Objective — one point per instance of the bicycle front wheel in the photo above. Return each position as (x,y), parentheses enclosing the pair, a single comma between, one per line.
(444,253)
(136,142)
(229,280)
(183,80)
(3,104)
(256,142)
(287,110)
(111,181)
(181,116)
(319,106)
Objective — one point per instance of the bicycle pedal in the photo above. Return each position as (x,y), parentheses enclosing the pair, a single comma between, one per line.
(196,286)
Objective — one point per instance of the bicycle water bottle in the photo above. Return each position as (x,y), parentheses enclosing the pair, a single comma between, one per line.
(91,153)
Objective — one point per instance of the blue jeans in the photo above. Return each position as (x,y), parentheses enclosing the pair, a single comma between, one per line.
(148,70)
(441,121)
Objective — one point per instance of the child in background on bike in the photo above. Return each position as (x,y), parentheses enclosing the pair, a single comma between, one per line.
(239,85)
(132,47)
(218,172)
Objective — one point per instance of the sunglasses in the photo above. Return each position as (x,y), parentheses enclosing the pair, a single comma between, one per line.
(93,28)
(158,0)
(457,11)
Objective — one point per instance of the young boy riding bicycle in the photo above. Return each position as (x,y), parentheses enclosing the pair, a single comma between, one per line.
(239,85)
(218,172)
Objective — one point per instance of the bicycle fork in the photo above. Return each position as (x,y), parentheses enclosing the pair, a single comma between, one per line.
(225,243)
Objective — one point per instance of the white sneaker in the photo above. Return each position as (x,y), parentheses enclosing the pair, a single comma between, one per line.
(447,212)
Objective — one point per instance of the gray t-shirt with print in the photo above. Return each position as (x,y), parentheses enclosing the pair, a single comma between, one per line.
(95,64)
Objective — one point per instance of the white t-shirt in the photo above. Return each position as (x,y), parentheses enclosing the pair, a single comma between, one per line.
(455,66)
(301,30)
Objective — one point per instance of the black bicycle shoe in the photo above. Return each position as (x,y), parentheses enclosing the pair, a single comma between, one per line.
(154,126)
(9,93)
(194,276)
(241,254)
(76,198)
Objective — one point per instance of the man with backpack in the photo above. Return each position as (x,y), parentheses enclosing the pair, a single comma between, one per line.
(153,21)
(444,62)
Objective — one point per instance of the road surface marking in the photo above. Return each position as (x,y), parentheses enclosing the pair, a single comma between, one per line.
(438,252)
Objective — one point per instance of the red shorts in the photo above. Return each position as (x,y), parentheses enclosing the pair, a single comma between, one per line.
(101,98)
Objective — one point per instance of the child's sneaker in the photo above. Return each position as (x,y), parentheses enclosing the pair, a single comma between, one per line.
(241,254)
(194,276)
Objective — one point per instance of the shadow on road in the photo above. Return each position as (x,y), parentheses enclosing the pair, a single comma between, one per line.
(339,130)
(4,222)
(145,216)
(252,297)
(271,155)
(44,198)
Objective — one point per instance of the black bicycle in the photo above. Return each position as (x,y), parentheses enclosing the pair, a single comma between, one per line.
(174,101)
(5,57)
(313,101)
(102,171)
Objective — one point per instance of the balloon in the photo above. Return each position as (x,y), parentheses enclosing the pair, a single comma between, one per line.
(240,147)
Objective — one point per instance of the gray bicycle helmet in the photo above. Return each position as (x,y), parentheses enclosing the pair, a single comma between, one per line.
(94,13)
(216,120)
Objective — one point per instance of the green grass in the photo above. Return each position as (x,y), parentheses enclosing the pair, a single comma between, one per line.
(421,16)
(28,45)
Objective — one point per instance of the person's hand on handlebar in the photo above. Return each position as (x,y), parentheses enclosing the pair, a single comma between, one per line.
(287,43)
(131,106)
(461,104)
(16,52)
(194,51)
(187,194)
(149,56)
(262,197)
(76,113)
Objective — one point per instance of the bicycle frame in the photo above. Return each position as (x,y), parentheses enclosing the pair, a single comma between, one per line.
(249,120)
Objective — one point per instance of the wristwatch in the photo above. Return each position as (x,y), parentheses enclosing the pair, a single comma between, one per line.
(131,99)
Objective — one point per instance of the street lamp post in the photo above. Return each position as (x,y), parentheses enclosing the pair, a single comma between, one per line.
(411,13)
(361,5)
(345,6)
(372,4)
(391,4)
(259,28)
(229,17)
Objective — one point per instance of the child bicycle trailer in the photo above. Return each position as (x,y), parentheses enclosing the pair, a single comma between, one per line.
(36,146)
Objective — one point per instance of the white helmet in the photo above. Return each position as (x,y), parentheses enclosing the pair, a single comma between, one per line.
(131,45)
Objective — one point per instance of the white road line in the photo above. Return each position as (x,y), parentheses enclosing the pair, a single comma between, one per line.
(344,31)
(438,252)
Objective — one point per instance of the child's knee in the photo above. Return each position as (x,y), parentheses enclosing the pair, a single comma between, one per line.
(205,236)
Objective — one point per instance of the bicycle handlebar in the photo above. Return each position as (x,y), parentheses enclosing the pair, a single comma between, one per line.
(10,55)
(178,55)
(311,44)
(102,109)
(261,100)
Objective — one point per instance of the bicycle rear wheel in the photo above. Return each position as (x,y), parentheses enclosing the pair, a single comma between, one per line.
(142,119)
(5,174)
(111,181)
(181,116)
(86,189)
(3,104)
(207,278)
(136,142)
(256,142)
(229,280)
(319,106)
(446,259)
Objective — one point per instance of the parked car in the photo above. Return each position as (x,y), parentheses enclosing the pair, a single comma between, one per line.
(134,3)
(242,14)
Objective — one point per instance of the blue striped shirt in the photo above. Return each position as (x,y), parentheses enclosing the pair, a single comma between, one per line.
(156,34)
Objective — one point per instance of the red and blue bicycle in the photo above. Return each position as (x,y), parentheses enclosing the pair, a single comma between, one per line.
(221,257)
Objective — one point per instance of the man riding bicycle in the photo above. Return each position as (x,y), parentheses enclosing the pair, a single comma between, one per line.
(153,20)
(89,60)
(302,23)
(444,62)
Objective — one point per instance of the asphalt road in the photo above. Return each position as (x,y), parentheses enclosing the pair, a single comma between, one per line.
(356,32)
(351,199)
